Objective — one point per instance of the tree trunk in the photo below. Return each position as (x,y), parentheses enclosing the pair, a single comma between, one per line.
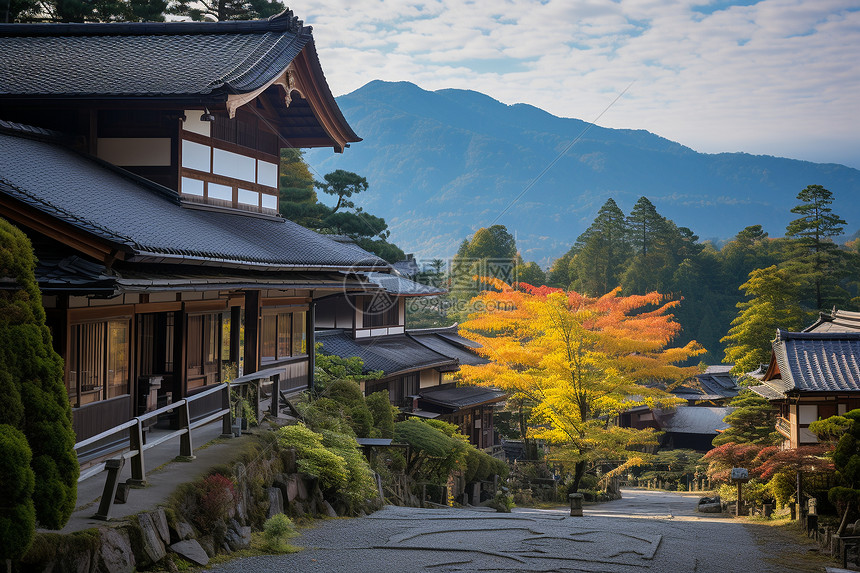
(844,521)
(578,472)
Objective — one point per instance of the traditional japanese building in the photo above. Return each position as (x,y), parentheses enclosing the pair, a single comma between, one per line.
(142,162)
(417,366)
(811,376)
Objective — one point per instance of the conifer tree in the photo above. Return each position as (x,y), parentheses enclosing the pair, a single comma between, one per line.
(31,377)
(602,251)
(772,304)
(812,254)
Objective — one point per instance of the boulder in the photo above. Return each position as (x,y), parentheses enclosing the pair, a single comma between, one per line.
(181,531)
(207,542)
(191,550)
(710,508)
(328,510)
(159,518)
(302,488)
(276,501)
(237,536)
(114,554)
(292,488)
(152,549)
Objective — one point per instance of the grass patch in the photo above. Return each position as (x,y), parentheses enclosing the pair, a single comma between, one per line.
(786,545)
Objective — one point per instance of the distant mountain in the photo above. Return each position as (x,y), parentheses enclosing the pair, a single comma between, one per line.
(443,164)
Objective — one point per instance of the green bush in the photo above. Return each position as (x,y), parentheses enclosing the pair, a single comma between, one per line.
(31,381)
(18,516)
(360,483)
(383,414)
(502,502)
(276,531)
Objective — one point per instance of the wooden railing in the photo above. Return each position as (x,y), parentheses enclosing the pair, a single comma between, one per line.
(128,438)
(783,426)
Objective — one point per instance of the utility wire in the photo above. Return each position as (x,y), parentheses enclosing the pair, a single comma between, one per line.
(560,155)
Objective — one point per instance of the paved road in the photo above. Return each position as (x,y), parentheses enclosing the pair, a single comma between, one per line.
(645,531)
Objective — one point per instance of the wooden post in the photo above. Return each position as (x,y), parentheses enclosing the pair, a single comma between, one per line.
(138,471)
(227,420)
(738,505)
(276,396)
(186,452)
(113,467)
(799,493)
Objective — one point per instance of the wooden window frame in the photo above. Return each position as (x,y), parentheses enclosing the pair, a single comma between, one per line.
(281,314)
(101,352)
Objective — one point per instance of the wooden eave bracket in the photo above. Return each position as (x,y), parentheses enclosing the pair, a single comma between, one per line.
(297,77)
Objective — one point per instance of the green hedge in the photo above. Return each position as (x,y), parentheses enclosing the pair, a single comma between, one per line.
(34,395)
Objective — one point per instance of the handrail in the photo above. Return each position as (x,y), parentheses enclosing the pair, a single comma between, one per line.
(106,434)
(135,427)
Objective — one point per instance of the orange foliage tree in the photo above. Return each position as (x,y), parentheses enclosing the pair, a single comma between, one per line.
(580,362)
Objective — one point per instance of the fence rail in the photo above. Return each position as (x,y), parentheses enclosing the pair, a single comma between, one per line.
(129,442)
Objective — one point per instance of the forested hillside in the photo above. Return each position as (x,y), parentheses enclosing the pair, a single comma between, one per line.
(440,165)
(792,278)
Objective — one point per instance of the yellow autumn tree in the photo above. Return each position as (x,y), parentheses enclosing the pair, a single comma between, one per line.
(580,362)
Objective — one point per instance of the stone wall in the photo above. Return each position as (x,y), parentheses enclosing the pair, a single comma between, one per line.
(263,487)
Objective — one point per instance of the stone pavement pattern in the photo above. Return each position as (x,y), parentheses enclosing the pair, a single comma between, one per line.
(645,531)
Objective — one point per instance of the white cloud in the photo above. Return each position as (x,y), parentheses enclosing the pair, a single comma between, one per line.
(775,77)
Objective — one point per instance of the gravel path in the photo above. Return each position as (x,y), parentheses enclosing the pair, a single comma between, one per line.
(644,531)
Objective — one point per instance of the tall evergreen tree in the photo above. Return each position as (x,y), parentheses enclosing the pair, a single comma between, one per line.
(221,10)
(298,199)
(644,225)
(85,10)
(772,305)
(813,254)
(602,251)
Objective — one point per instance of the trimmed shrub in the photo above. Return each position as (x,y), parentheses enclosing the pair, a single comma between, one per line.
(18,516)
(383,414)
(31,379)
(276,532)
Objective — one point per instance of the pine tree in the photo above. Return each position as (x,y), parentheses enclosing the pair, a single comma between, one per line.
(221,10)
(644,225)
(602,251)
(86,11)
(813,254)
(772,305)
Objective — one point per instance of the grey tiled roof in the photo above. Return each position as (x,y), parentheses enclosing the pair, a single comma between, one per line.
(836,321)
(817,361)
(445,346)
(695,420)
(395,354)
(462,397)
(147,222)
(397,285)
(767,391)
(151,59)
(715,383)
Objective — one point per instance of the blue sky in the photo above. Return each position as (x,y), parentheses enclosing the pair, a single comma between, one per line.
(775,77)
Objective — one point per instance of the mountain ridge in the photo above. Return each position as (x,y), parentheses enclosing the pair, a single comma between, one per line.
(443,164)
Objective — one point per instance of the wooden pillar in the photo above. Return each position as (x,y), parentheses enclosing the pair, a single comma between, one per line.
(235,334)
(252,331)
(310,319)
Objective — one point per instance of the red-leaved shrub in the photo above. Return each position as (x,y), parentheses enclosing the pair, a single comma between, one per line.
(216,496)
